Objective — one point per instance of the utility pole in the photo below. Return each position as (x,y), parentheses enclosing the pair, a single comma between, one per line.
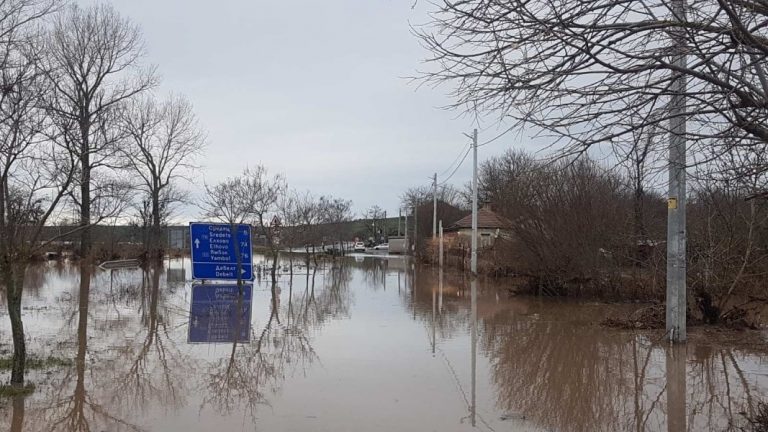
(676,230)
(473,262)
(434,206)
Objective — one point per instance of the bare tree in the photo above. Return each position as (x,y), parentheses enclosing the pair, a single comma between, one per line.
(336,212)
(639,158)
(448,194)
(93,57)
(249,198)
(300,214)
(163,142)
(375,224)
(34,177)
(589,72)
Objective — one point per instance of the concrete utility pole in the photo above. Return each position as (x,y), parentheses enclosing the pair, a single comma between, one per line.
(434,206)
(676,231)
(473,262)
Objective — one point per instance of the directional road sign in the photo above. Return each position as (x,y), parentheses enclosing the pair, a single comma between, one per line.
(218,313)
(214,253)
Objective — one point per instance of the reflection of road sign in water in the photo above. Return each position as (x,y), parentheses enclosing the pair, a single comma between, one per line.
(213,251)
(214,315)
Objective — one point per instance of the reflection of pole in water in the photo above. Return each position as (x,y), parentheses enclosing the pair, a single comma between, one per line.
(413,293)
(675,366)
(434,331)
(473,334)
(384,275)
(440,296)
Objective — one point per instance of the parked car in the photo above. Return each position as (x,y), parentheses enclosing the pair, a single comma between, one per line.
(382,247)
(359,247)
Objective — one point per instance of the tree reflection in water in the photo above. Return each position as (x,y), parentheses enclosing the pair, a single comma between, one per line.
(551,364)
(81,411)
(155,371)
(282,347)
(17,416)
(546,361)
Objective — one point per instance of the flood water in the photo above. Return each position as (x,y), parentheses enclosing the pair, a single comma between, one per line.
(363,344)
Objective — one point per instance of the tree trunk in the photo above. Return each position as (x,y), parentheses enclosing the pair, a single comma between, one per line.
(641,236)
(13,276)
(85,205)
(274,265)
(156,249)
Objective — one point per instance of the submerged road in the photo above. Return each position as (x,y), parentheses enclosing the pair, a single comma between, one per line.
(360,344)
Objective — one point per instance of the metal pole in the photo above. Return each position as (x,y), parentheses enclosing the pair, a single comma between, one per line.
(441,243)
(676,230)
(473,262)
(434,206)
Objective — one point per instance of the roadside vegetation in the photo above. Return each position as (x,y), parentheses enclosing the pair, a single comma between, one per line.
(602,83)
(578,228)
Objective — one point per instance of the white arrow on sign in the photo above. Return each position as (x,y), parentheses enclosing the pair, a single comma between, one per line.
(197,243)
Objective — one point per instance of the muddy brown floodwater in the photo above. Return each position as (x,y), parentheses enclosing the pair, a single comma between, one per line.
(364,344)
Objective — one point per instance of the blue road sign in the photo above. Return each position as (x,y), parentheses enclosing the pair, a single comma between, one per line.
(214,315)
(213,251)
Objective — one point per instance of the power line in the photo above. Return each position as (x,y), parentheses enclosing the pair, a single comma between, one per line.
(457,166)
(452,163)
(496,137)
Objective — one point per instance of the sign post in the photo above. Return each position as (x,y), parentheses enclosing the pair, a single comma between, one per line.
(214,251)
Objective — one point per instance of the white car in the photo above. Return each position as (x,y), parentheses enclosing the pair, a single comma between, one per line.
(359,247)
(382,247)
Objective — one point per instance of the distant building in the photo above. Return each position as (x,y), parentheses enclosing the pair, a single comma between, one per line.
(490,226)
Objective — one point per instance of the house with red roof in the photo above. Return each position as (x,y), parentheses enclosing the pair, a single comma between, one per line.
(490,226)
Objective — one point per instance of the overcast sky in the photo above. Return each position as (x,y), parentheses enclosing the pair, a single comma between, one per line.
(314,90)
